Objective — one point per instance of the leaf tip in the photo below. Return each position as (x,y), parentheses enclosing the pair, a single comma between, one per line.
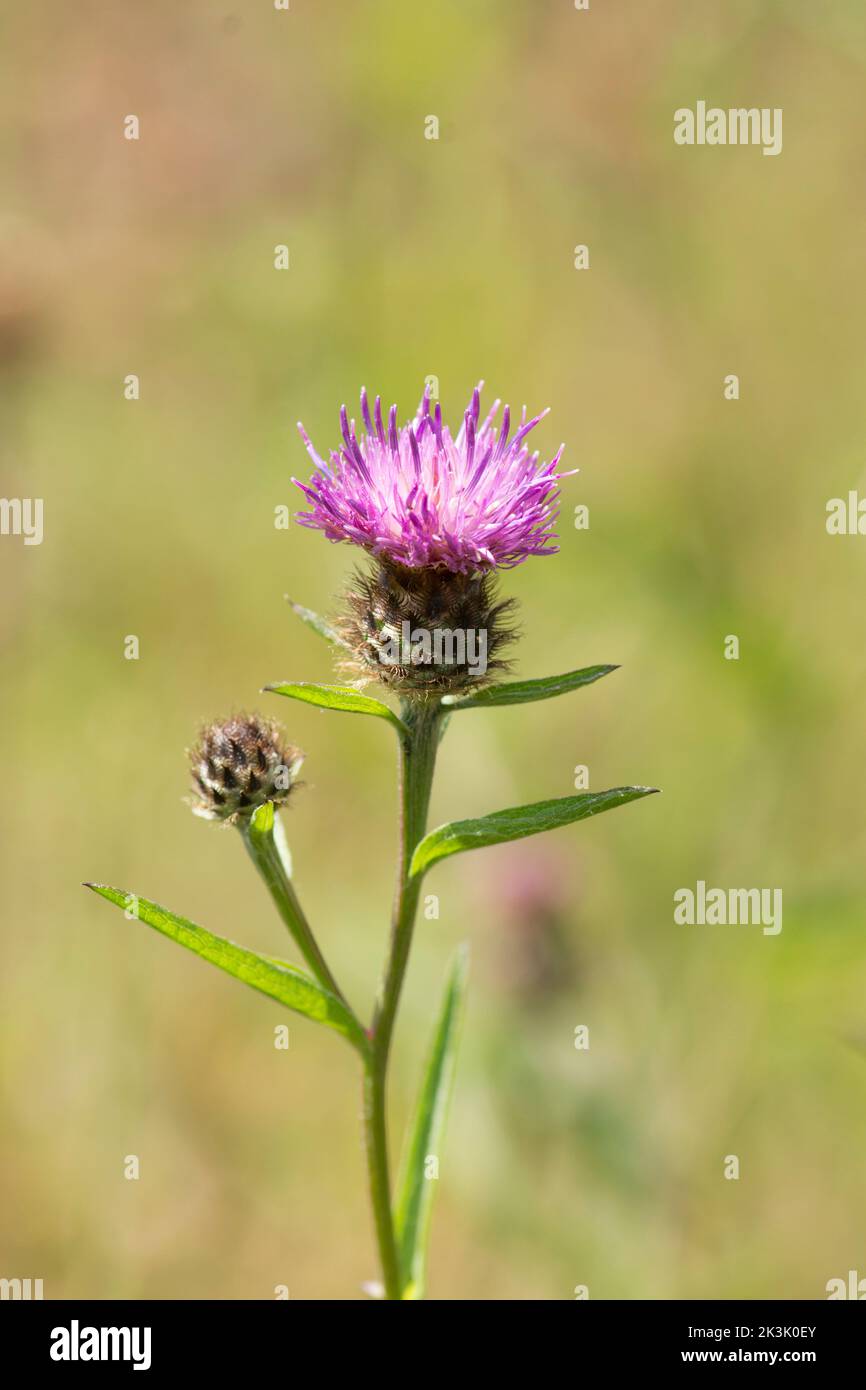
(462,957)
(263,817)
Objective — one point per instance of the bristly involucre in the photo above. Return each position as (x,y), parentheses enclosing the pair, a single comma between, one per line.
(422,498)
(425,630)
(240,763)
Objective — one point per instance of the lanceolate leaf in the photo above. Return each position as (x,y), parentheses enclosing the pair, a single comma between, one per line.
(340,697)
(416,1187)
(521,692)
(518,822)
(318,624)
(278,979)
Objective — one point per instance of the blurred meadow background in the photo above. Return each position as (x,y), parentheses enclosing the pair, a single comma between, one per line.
(412,257)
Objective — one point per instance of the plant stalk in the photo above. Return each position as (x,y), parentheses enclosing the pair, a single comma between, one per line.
(417,761)
(266,854)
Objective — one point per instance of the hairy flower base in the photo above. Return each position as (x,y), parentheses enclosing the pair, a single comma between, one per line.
(240,763)
(425,630)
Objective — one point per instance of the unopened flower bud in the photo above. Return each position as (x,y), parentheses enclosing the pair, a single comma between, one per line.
(240,763)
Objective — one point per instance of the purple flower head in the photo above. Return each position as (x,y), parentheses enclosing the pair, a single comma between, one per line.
(423,498)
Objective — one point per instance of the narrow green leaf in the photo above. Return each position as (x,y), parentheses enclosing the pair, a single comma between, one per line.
(318,624)
(518,822)
(415,1189)
(340,697)
(270,976)
(521,692)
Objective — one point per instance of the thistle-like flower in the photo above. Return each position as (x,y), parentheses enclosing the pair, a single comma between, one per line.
(438,514)
(240,763)
(420,498)
(438,517)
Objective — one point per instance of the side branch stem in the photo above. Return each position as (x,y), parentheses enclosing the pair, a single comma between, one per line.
(267,855)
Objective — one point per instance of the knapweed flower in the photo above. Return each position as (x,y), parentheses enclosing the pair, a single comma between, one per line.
(420,497)
(438,514)
(240,763)
(437,518)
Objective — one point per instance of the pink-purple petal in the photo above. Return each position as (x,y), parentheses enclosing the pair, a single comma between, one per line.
(420,497)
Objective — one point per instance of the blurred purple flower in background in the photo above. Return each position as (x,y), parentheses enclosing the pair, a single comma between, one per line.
(531,907)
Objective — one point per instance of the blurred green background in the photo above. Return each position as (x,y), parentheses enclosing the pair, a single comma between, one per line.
(454,257)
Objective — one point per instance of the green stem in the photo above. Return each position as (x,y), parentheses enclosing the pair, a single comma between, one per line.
(417,761)
(266,854)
